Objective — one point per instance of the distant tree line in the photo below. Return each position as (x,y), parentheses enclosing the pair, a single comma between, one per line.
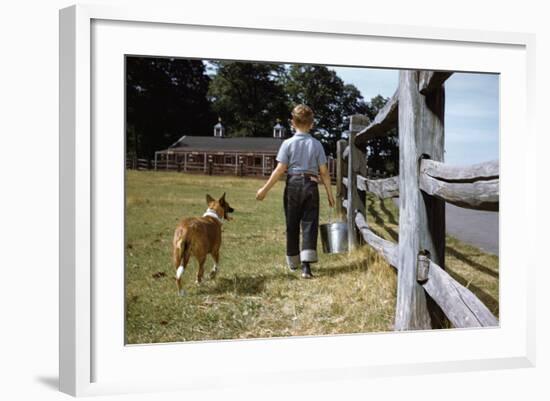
(169,97)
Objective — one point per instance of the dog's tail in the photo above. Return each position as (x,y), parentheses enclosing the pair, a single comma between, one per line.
(181,246)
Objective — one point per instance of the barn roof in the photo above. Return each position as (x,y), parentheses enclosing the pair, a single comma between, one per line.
(227,144)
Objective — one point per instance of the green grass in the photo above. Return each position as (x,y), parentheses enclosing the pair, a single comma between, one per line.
(254,295)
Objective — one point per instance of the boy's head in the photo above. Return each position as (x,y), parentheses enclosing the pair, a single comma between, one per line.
(302,118)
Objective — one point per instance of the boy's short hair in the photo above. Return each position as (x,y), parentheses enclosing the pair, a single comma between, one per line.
(302,115)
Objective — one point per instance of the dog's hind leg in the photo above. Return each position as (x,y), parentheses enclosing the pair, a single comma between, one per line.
(216,257)
(181,260)
(180,268)
(200,272)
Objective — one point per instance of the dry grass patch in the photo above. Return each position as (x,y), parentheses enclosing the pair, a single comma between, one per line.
(254,294)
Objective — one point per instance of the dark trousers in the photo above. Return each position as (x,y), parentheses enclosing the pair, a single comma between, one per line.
(301,202)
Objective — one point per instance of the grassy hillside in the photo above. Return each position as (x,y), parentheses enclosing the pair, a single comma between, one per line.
(254,294)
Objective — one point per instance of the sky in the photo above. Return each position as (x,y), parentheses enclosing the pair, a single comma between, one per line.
(471,110)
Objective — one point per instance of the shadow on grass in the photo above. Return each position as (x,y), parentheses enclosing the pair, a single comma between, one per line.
(483,296)
(450,250)
(254,285)
(391,232)
(240,285)
(342,268)
(243,285)
(379,221)
(389,215)
(372,212)
(478,266)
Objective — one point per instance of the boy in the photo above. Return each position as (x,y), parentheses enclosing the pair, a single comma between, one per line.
(303,157)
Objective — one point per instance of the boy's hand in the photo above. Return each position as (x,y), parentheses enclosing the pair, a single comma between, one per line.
(331,201)
(260,195)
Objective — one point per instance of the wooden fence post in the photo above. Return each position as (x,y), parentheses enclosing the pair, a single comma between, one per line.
(356,165)
(210,165)
(421,217)
(340,169)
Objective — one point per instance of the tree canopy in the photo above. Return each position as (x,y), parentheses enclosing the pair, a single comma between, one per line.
(325,92)
(165,98)
(382,152)
(171,97)
(249,97)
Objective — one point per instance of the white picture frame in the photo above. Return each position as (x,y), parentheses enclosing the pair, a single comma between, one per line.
(89,366)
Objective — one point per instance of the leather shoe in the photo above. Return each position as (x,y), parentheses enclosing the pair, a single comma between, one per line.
(306,271)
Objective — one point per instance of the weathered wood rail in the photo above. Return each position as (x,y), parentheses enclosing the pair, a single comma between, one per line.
(424,184)
(473,187)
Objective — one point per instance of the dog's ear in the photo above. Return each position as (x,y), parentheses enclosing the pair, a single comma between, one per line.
(209,199)
(222,199)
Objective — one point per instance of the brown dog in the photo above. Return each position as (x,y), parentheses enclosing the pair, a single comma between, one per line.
(198,237)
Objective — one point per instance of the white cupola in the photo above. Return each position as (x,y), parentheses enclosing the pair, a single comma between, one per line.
(219,130)
(278,130)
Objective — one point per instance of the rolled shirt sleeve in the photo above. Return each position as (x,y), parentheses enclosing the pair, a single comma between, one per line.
(282,154)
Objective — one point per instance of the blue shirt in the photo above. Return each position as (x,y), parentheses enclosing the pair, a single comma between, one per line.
(302,153)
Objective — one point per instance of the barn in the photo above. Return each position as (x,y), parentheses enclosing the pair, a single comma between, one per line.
(220,154)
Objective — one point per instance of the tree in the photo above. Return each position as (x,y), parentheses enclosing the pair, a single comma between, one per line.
(249,97)
(375,105)
(331,100)
(352,102)
(382,152)
(319,88)
(166,98)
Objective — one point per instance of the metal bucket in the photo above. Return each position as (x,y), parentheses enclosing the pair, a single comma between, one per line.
(334,237)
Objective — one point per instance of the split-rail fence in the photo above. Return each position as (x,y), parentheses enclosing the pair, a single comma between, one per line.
(423,186)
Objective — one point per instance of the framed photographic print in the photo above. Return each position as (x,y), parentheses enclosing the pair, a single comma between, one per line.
(248,199)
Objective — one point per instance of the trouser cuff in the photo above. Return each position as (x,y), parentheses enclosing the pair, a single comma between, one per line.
(293,261)
(308,255)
